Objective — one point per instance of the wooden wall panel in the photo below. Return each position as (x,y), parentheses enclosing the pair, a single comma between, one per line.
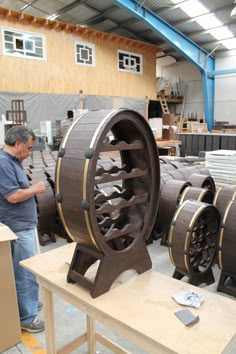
(192,144)
(60,74)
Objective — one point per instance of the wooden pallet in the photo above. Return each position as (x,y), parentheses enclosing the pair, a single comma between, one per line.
(194,127)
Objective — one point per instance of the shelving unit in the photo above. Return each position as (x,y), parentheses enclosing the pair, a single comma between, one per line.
(155,109)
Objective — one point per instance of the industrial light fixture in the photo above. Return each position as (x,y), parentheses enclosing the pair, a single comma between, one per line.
(52,17)
(233,12)
(25,6)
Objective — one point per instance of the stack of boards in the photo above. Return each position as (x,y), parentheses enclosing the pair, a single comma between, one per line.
(222,165)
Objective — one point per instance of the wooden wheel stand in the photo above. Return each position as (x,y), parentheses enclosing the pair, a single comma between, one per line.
(107,191)
(223,286)
(110,266)
(195,278)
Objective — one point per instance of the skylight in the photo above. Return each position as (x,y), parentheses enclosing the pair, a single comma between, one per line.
(221,33)
(209,21)
(229,43)
(194,9)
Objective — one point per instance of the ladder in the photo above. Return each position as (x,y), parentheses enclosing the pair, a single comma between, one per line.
(164,105)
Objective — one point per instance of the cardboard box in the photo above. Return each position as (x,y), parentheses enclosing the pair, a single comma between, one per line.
(10,333)
(167,90)
(156,126)
(168,133)
(168,119)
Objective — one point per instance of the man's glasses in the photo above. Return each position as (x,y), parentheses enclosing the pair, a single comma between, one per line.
(29,147)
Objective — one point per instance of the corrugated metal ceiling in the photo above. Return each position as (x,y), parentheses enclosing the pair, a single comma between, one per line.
(103,15)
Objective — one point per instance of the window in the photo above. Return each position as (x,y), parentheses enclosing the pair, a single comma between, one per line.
(130,62)
(85,53)
(23,44)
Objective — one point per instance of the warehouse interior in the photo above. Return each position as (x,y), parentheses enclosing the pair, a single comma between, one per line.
(132,103)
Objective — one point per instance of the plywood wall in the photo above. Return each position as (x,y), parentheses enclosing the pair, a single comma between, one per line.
(60,74)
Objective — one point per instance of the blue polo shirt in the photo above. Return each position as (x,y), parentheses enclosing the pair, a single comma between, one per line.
(18,216)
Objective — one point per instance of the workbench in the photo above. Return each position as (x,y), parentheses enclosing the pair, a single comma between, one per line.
(139,308)
(168,147)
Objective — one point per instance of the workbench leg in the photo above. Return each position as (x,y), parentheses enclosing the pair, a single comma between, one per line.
(91,335)
(47,298)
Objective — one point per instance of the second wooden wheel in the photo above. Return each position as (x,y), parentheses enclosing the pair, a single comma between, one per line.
(227,248)
(192,241)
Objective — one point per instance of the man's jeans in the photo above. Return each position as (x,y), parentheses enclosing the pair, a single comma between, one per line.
(26,285)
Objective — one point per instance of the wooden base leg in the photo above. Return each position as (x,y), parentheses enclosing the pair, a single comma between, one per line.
(227,283)
(47,298)
(110,266)
(195,279)
(91,335)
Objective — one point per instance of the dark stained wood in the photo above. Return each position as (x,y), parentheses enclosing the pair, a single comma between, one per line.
(223,196)
(188,145)
(227,251)
(48,223)
(205,142)
(202,181)
(201,194)
(188,171)
(107,185)
(169,199)
(201,144)
(224,142)
(192,241)
(232,143)
(209,143)
(216,142)
(195,145)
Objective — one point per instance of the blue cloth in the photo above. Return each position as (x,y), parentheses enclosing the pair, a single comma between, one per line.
(27,287)
(17,216)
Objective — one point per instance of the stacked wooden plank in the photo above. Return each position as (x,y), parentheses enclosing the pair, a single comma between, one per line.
(222,165)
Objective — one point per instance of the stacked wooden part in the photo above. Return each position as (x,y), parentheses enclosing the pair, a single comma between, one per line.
(201,230)
(225,201)
(108,206)
(192,241)
(40,166)
(178,183)
(187,221)
(221,164)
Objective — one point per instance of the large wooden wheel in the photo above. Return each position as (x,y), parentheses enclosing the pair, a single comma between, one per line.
(196,193)
(227,250)
(223,196)
(192,241)
(202,181)
(170,196)
(107,190)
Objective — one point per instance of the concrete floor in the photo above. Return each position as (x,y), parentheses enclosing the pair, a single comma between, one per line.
(70,322)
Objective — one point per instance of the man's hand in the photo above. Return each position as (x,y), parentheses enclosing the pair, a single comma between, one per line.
(39,187)
(24,194)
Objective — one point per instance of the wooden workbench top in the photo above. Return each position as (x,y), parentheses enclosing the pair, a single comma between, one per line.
(167,142)
(141,306)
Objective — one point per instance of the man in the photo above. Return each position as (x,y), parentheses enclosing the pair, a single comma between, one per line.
(18,212)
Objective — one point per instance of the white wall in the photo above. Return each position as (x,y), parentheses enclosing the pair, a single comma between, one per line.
(191,87)
(225,89)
